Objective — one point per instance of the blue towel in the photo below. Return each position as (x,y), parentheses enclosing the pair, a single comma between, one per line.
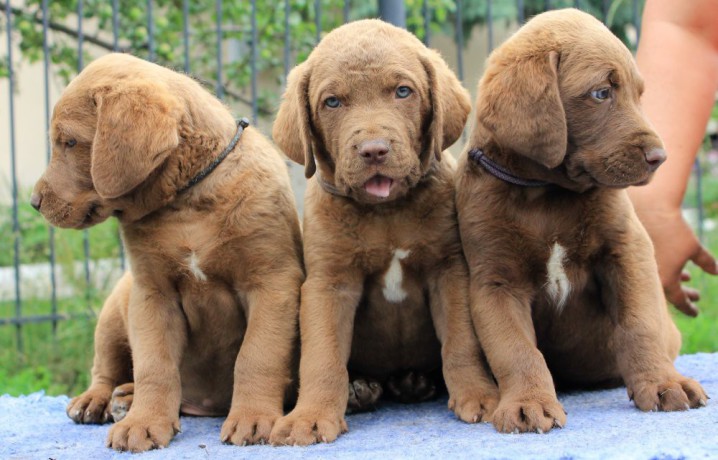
(601,424)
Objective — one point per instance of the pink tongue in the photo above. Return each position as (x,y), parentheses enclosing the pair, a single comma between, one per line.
(378,186)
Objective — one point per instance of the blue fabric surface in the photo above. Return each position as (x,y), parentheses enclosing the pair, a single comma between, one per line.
(601,424)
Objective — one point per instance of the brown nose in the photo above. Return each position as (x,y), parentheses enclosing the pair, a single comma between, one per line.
(36,201)
(654,158)
(374,151)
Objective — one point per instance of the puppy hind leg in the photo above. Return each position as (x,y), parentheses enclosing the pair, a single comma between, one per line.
(364,394)
(121,401)
(112,365)
(413,386)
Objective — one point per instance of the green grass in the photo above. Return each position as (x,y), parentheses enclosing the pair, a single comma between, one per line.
(59,363)
(701,334)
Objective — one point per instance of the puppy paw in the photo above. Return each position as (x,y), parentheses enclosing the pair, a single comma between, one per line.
(539,415)
(91,407)
(473,403)
(305,427)
(363,395)
(667,394)
(247,426)
(142,432)
(121,402)
(411,387)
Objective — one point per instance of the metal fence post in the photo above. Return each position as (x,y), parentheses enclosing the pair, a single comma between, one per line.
(393,12)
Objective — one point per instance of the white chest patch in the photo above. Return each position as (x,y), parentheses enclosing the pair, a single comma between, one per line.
(558,286)
(393,278)
(194,268)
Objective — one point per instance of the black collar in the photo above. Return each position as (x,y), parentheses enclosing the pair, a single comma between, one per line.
(241,125)
(479,157)
(329,188)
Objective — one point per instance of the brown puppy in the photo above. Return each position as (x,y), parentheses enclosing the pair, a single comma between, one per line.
(369,114)
(562,272)
(215,265)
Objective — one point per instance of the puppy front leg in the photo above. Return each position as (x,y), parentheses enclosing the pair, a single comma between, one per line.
(326,317)
(157,333)
(632,292)
(263,368)
(502,315)
(473,396)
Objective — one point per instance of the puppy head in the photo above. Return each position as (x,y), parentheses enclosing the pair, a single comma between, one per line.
(373,107)
(564,92)
(109,131)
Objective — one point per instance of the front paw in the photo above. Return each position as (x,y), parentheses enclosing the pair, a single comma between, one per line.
(667,394)
(248,426)
(142,432)
(308,426)
(92,406)
(473,403)
(537,414)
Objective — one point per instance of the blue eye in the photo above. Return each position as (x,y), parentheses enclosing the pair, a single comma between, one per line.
(70,143)
(332,102)
(601,94)
(403,92)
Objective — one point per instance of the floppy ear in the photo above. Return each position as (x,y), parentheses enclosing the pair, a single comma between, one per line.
(520,105)
(450,105)
(136,131)
(292,131)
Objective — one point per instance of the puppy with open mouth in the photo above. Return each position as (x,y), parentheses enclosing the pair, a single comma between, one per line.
(369,114)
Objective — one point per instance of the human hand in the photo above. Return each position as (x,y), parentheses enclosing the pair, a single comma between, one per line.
(675,244)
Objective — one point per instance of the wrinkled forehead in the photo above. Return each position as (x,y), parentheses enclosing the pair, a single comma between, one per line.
(73,115)
(367,63)
(589,61)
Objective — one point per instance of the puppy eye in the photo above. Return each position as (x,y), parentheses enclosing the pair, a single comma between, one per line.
(403,92)
(601,94)
(70,143)
(332,102)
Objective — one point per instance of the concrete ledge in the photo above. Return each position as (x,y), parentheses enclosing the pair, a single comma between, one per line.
(601,424)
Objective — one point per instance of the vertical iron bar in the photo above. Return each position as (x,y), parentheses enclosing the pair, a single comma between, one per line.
(636,21)
(80,36)
(459,41)
(318,19)
(393,12)
(13,173)
(604,10)
(51,229)
(347,10)
(547,5)
(219,89)
(185,33)
(520,11)
(426,11)
(116,47)
(115,25)
(490,22)
(287,37)
(255,47)
(150,31)
(85,233)
(577,4)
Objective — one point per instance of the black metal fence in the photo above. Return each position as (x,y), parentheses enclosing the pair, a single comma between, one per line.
(240,50)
